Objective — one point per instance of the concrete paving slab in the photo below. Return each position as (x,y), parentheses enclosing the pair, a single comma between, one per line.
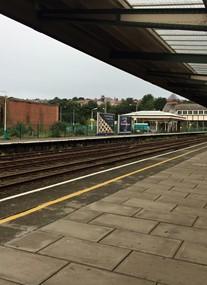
(76,229)
(115,199)
(176,172)
(183,201)
(141,242)
(179,176)
(27,268)
(161,175)
(169,172)
(160,216)
(133,194)
(85,252)
(201,223)
(167,193)
(85,275)
(201,163)
(199,171)
(149,185)
(191,211)
(179,170)
(201,197)
(83,215)
(185,166)
(199,179)
(201,186)
(181,232)
(203,183)
(173,182)
(137,188)
(182,189)
(5,282)
(164,270)
(152,179)
(193,252)
(150,205)
(126,223)
(33,241)
(113,208)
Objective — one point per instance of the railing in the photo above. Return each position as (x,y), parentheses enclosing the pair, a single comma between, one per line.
(20,130)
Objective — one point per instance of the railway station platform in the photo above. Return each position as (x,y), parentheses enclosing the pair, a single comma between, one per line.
(153,232)
(38,144)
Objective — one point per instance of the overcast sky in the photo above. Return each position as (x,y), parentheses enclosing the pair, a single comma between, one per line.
(33,65)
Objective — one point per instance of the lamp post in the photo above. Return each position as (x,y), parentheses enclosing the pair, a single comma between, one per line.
(92,117)
(105,104)
(5,99)
(73,119)
(60,114)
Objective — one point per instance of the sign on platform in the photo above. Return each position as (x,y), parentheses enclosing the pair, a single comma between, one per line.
(124,124)
(105,123)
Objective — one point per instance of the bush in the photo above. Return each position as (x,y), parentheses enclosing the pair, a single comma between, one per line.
(17,131)
(80,130)
(58,128)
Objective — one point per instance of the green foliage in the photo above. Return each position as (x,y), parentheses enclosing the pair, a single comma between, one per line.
(58,128)
(30,129)
(81,130)
(147,103)
(126,106)
(73,112)
(160,103)
(18,130)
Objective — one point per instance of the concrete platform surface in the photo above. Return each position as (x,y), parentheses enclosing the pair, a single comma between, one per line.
(153,232)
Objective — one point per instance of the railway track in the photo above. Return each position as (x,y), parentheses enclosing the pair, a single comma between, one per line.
(45,166)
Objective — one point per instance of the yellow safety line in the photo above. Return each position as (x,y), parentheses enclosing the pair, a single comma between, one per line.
(80,192)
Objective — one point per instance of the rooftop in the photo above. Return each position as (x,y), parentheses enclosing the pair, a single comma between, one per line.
(155,115)
(189,107)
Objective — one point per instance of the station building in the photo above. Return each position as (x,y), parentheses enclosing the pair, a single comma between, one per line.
(195,114)
(28,112)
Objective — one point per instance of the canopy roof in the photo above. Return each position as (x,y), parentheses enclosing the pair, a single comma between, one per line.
(161,41)
(155,115)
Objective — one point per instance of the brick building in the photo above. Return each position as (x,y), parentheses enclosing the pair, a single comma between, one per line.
(28,112)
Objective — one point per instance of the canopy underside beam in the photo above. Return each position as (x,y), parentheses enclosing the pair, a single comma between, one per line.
(172,57)
(185,19)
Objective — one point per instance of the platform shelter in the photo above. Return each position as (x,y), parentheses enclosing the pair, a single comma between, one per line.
(158,121)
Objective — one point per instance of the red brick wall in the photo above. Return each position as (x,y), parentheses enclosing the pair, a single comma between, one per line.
(31,113)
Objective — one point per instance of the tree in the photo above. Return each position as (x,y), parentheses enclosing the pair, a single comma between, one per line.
(147,103)
(160,103)
(126,106)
